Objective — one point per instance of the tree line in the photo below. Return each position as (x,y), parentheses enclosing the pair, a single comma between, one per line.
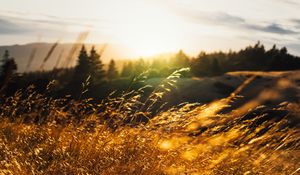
(90,68)
(252,58)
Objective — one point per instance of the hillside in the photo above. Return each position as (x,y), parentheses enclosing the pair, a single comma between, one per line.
(22,54)
(266,88)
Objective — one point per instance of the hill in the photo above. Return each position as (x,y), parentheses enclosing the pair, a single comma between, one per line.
(263,88)
(23,53)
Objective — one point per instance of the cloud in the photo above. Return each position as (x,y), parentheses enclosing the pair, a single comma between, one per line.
(14,26)
(55,21)
(217,18)
(235,22)
(44,26)
(296,22)
(271,28)
(9,27)
(290,2)
(49,19)
(294,48)
(49,26)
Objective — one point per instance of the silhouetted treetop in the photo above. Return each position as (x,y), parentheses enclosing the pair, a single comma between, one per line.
(112,72)
(127,69)
(180,60)
(8,69)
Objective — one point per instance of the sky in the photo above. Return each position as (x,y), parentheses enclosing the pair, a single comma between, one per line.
(148,27)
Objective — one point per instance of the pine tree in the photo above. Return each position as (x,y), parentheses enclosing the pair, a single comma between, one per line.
(97,72)
(6,55)
(140,66)
(215,67)
(8,68)
(88,65)
(8,64)
(112,72)
(283,51)
(127,70)
(82,69)
(180,60)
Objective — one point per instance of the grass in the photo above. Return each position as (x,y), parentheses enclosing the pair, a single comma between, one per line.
(123,135)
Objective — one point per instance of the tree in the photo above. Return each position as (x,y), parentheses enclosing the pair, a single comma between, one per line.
(252,58)
(8,69)
(200,66)
(140,66)
(89,68)
(283,51)
(127,69)
(112,72)
(82,69)
(215,67)
(180,60)
(96,70)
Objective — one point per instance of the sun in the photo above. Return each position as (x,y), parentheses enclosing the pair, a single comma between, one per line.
(148,31)
(147,41)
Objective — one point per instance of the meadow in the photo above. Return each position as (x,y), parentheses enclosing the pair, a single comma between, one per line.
(129,133)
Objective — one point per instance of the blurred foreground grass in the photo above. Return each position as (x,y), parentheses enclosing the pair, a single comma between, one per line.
(122,135)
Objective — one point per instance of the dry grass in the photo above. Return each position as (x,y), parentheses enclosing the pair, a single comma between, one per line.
(120,135)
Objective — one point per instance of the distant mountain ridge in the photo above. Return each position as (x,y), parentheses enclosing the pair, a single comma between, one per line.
(22,54)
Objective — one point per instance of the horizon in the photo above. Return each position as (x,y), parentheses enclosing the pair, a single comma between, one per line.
(128,56)
(23,54)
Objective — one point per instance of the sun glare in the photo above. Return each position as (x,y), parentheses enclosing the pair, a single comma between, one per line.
(148,30)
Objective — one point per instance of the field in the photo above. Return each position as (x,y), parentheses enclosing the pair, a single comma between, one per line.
(252,128)
(150,87)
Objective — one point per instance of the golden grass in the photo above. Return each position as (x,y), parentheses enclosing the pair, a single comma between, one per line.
(159,147)
(41,135)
